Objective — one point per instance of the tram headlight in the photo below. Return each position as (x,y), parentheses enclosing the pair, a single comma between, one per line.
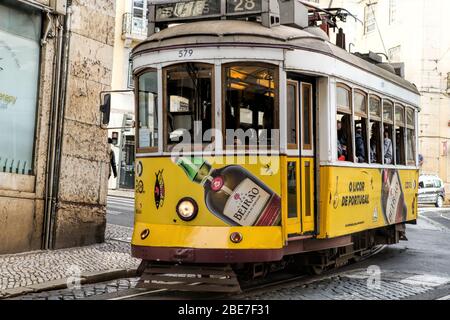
(187,209)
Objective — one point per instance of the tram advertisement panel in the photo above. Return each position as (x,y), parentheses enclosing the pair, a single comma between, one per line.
(361,199)
(236,192)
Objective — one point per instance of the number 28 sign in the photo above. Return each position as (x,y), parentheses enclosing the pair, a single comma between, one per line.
(241,6)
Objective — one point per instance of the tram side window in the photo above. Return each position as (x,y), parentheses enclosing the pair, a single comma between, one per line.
(375,130)
(360,118)
(292,110)
(250,105)
(148,110)
(188,103)
(344,123)
(400,134)
(388,121)
(411,136)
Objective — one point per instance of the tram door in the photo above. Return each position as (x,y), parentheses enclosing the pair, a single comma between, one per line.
(300,159)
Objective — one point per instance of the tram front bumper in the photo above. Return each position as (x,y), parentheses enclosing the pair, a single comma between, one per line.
(206,244)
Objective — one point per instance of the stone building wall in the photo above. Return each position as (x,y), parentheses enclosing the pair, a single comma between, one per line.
(81,200)
(81,215)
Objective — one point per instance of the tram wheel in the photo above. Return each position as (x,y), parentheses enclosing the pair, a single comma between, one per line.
(316,269)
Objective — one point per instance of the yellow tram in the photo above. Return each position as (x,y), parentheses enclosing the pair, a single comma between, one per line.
(260,142)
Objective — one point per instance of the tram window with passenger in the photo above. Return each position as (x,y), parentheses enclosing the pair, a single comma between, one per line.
(400,134)
(411,137)
(188,103)
(360,118)
(375,130)
(250,104)
(344,123)
(388,122)
(148,111)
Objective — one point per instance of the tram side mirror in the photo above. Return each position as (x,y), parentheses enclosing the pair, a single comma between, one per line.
(116,105)
(105,109)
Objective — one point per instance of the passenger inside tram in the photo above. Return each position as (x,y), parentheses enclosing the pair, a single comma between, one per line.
(387,146)
(360,145)
(343,134)
(342,149)
(375,142)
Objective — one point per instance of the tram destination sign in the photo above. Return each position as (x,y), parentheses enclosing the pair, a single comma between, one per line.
(204,9)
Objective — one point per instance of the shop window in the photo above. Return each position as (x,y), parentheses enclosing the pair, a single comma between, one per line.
(376,140)
(250,108)
(344,123)
(292,117)
(388,122)
(411,137)
(360,118)
(400,135)
(148,110)
(20,32)
(188,103)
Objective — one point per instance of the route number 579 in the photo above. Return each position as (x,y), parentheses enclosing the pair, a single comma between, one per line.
(185,53)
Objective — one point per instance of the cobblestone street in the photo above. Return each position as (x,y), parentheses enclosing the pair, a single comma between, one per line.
(359,285)
(84,291)
(26,269)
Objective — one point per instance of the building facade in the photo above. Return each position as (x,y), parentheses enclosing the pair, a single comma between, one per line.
(413,32)
(55,58)
(130,30)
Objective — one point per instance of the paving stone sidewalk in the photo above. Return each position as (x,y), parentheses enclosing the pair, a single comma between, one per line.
(34,270)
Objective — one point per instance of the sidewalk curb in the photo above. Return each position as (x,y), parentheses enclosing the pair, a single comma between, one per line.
(86,278)
(432,222)
(121,193)
(120,196)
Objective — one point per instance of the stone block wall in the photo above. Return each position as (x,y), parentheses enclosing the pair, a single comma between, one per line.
(81,213)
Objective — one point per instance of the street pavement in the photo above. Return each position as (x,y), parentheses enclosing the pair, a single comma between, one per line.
(120,211)
(32,271)
(439,215)
(414,269)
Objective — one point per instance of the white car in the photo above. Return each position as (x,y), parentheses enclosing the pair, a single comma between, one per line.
(431,190)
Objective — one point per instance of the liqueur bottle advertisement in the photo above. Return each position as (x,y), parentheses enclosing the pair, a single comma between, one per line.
(233,194)
(392,197)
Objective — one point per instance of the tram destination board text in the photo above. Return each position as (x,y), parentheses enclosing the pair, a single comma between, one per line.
(202,9)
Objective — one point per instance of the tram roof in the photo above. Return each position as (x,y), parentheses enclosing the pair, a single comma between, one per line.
(232,32)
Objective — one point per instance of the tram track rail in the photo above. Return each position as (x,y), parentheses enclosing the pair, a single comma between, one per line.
(274,281)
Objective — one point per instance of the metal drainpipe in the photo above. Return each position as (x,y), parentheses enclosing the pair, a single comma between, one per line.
(56,79)
(57,126)
(62,109)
